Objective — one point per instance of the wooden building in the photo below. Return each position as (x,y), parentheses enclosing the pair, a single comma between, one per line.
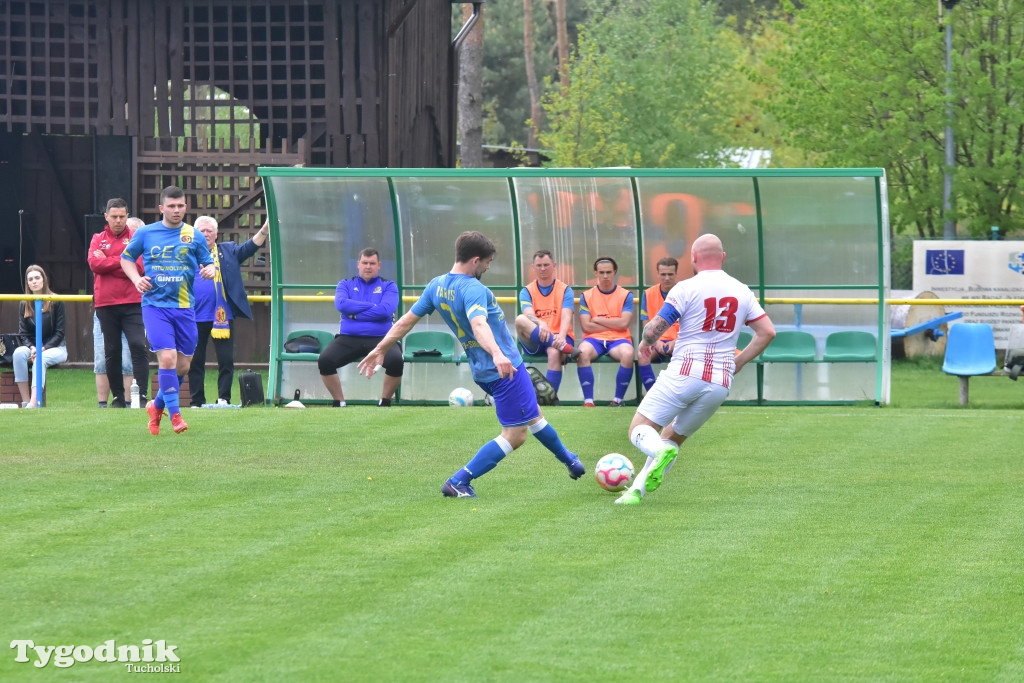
(105,98)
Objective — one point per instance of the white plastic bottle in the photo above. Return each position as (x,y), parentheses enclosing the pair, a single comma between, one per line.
(135,394)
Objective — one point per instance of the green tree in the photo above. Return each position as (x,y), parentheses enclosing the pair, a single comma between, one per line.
(587,119)
(861,84)
(506,104)
(746,16)
(649,86)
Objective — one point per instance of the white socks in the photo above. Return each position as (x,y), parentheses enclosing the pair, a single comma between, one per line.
(649,441)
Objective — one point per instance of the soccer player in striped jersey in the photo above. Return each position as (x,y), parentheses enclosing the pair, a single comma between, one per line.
(710,307)
(470,310)
(172,252)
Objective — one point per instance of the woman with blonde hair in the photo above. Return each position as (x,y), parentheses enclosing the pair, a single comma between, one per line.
(54,348)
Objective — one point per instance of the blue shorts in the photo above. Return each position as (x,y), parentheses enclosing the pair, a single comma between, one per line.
(542,347)
(603,346)
(515,400)
(171,328)
(99,359)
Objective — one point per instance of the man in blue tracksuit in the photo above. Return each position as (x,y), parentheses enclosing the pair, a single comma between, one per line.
(367,305)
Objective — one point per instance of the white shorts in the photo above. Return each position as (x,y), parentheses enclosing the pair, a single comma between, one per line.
(689,401)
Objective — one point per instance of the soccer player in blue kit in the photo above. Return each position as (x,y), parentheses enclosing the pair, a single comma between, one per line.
(171,255)
(472,313)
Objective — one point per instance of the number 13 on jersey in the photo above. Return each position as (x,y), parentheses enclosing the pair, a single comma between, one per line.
(720,314)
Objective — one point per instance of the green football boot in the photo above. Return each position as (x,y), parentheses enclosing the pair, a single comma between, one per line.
(665,457)
(629,497)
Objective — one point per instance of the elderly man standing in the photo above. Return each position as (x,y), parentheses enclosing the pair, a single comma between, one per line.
(218,303)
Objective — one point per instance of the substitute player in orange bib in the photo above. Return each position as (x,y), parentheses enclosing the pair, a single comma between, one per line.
(545,325)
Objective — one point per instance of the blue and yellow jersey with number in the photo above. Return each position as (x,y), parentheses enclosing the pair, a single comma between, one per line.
(171,257)
(460,298)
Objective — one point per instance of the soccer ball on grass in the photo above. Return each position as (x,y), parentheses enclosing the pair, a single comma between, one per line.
(460,398)
(614,472)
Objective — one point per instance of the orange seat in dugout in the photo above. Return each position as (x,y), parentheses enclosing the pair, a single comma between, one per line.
(619,213)
(682,218)
(570,208)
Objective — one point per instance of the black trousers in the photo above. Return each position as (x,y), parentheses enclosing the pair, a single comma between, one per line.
(225,349)
(346,348)
(114,320)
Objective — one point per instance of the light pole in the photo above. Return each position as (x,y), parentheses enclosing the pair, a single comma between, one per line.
(949,226)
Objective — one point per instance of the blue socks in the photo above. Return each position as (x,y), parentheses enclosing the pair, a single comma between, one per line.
(554,378)
(489,455)
(495,450)
(586,376)
(623,378)
(646,376)
(168,395)
(547,435)
(461,477)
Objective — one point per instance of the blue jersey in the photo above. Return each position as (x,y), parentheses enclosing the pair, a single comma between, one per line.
(460,298)
(171,257)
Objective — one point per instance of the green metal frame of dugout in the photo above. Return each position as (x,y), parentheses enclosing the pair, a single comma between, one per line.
(812,243)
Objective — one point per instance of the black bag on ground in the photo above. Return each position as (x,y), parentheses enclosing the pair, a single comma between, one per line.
(250,389)
(8,342)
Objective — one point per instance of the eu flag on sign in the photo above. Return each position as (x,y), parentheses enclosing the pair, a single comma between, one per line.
(944,262)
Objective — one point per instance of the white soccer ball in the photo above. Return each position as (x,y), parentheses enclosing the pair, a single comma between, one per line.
(613,472)
(460,398)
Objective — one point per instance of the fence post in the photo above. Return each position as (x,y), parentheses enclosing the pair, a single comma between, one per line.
(39,352)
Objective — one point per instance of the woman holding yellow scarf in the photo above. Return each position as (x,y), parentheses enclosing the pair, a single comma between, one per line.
(218,303)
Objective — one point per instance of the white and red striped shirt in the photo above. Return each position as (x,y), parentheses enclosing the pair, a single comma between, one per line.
(711,307)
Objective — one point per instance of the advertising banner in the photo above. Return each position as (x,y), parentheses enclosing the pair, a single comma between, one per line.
(963,269)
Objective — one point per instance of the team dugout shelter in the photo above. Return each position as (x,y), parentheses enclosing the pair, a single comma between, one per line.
(812,244)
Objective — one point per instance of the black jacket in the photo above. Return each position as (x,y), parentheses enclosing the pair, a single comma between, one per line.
(53,326)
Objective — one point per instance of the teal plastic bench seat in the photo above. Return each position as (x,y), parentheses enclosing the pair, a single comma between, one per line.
(790,346)
(851,345)
(430,346)
(322,336)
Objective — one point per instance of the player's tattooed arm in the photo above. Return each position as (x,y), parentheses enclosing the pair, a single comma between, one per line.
(654,329)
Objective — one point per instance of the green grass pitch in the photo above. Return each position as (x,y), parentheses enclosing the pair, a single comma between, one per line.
(266,544)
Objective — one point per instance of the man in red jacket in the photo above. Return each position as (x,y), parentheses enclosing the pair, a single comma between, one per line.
(117,302)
